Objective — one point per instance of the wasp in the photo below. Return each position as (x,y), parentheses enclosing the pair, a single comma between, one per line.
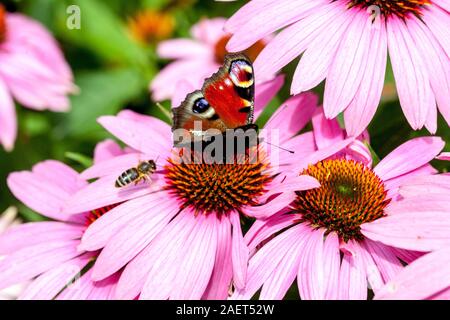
(142,172)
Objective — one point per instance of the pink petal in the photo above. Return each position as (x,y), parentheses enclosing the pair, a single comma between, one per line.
(239,252)
(262,230)
(50,283)
(311,273)
(113,166)
(106,150)
(444,156)
(315,62)
(437,62)
(421,279)
(122,247)
(387,262)
(347,69)
(170,49)
(236,21)
(419,203)
(47,188)
(105,289)
(263,264)
(192,279)
(163,252)
(29,262)
(289,43)
(165,83)
(393,185)
(182,89)
(304,160)
(409,156)
(421,231)
(80,289)
(293,115)
(352,278)
(109,225)
(270,208)
(290,183)
(166,274)
(103,192)
(209,30)
(281,279)
(154,124)
(136,134)
(363,106)
(265,92)
(331,266)
(326,132)
(435,19)
(411,76)
(222,274)
(263,22)
(28,234)
(8,121)
(427,184)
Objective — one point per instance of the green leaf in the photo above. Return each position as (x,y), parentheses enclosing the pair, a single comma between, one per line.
(85,161)
(29,215)
(102,32)
(101,93)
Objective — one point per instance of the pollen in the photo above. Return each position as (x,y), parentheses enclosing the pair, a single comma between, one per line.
(220,50)
(217,187)
(349,195)
(399,8)
(2,23)
(151,26)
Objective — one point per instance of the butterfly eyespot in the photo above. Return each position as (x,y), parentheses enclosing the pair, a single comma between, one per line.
(200,105)
(241,73)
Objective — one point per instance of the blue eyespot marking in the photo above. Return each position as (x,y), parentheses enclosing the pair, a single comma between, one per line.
(200,105)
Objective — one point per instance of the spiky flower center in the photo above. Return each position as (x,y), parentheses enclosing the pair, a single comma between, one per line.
(2,23)
(151,26)
(220,50)
(399,8)
(349,195)
(215,187)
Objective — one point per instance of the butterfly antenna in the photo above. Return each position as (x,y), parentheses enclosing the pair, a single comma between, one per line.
(164,111)
(284,149)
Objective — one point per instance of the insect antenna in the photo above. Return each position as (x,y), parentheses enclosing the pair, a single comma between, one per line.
(284,149)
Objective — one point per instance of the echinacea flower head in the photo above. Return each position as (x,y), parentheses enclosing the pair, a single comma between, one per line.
(358,228)
(196,58)
(33,72)
(347,42)
(180,237)
(150,26)
(45,254)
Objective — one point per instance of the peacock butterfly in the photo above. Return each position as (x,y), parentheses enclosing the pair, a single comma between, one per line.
(226,101)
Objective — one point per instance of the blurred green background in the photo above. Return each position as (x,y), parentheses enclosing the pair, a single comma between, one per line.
(113,72)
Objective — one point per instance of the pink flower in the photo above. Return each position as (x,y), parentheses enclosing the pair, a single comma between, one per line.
(174,238)
(33,71)
(346,42)
(46,254)
(196,59)
(8,219)
(357,228)
(428,277)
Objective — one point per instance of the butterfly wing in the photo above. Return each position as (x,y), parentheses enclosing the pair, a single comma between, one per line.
(225,101)
(231,91)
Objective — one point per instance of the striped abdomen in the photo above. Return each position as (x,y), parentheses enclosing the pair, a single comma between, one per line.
(127,177)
